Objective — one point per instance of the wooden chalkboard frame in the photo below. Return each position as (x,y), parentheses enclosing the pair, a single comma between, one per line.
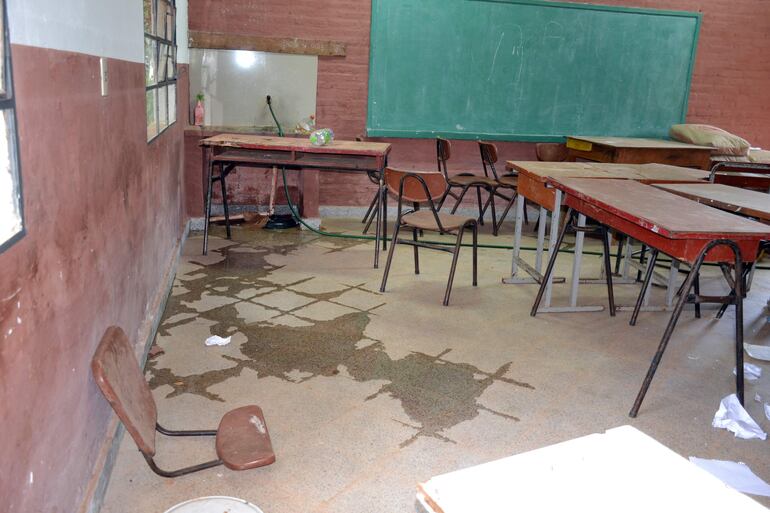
(396,133)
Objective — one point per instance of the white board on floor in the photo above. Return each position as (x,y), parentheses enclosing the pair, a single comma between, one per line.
(620,470)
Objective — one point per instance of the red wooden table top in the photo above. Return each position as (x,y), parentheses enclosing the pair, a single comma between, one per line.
(261,142)
(733,199)
(648,173)
(661,212)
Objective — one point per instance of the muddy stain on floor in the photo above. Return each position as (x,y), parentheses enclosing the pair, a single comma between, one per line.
(435,393)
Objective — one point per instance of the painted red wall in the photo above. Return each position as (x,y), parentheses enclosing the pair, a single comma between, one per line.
(104,215)
(729,87)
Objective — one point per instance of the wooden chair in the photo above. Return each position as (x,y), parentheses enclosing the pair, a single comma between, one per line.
(463,181)
(509,181)
(427,188)
(242,440)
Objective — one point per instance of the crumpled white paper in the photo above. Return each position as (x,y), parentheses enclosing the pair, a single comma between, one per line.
(216,340)
(732,417)
(767,411)
(750,371)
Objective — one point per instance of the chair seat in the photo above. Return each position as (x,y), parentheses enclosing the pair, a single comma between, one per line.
(509,181)
(463,180)
(425,220)
(242,439)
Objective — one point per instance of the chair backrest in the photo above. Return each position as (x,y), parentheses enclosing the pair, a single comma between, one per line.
(413,188)
(120,379)
(443,153)
(551,152)
(488,152)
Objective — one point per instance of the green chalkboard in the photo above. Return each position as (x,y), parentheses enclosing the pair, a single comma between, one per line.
(527,69)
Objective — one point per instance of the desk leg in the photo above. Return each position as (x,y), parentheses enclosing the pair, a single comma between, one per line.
(207,208)
(552,249)
(735,298)
(673,272)
(516,260)
(379,223)
(579,240)
(542,218)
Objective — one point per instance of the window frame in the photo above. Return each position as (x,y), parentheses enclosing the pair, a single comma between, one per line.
(8,104)
(169,79)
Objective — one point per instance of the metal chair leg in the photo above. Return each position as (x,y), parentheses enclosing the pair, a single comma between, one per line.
(505,211)
(619,253)
(475,254)
(494,218)
(481,208)
(455,255)
(608,269)
(696,289)
(645,285)
(459,199)
(393,245)
(416,252)
(551,263)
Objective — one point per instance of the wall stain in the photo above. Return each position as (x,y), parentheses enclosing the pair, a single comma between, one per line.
(435,393)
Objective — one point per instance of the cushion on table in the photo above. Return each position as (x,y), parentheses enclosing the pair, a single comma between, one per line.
(724,142)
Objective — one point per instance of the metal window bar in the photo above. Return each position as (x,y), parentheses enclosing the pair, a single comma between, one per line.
(170,79)
(8,105)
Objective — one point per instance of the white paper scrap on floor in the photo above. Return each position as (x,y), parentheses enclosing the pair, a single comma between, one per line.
(620,470)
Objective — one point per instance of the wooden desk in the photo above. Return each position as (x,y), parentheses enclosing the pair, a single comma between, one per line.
(228,151)
(731,199)
(632,150)
(676,226)
(532,185)
(620,470)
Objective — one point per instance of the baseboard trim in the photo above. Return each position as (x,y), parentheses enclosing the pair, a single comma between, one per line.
(108,453)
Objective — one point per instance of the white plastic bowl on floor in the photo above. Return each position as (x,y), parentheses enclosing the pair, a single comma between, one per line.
(215,505)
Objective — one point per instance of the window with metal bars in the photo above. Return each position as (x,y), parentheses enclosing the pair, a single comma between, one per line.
(11,204)
(160,65)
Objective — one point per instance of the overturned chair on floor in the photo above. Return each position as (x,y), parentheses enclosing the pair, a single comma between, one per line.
(427,188)
(242,439)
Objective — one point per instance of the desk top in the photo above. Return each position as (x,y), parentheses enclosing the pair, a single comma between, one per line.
(620,470)
(638,142)
(261,142)
(648,173)
(658,211)
(733,199)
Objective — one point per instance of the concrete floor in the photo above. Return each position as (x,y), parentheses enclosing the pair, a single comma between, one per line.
(367,394)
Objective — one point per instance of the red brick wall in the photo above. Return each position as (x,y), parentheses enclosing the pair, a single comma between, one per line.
(729,89)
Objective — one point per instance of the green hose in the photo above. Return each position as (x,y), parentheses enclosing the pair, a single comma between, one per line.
(297,217)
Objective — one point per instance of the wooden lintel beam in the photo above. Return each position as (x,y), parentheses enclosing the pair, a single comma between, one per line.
(222,41)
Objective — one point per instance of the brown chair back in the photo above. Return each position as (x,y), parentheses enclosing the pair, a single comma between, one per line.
(443,153)
(488,152)
(118,375)
(414,190)
(551,152)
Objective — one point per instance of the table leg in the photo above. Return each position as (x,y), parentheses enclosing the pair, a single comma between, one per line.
(379,222)
(579,240)
(552,241)
(736,298)
(207,208)
(540,238)
(516,260)
(673,272)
